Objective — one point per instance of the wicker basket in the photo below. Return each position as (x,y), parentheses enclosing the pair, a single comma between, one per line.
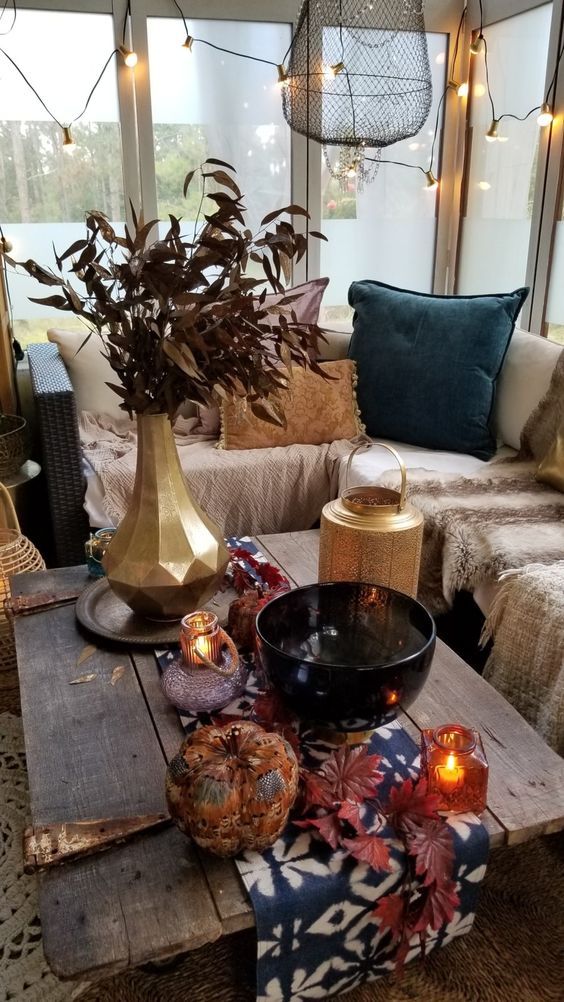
(17,554)
(13,444)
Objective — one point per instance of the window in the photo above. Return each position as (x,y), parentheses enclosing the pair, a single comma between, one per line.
(501,176)
(386,231)
(45,191)
(209,103)
(555,301)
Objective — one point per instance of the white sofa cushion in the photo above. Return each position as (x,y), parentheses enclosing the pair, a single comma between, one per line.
(88,370)
(523,382)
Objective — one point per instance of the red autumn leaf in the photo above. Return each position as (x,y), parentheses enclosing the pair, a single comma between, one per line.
(439,902)
(390,913)
(328,827)
(369,849)
(317,791)
(350,811)
(410,803)
(352,774)
(431,844)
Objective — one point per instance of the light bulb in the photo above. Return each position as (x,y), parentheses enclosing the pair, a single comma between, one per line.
(68,141)
(129,57)
(5,245)
(463,90)
(484,185)
(188,43)
(351,172)
(545,115)
(491,134)
(478,45)
(432,181)
(282,76)
(330,72)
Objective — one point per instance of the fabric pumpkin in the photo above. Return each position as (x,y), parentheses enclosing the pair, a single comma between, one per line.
(232,787)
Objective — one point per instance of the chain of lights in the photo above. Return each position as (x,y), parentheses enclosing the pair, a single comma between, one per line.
(357,164)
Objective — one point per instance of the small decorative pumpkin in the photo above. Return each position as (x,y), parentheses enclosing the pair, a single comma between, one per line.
(232,787)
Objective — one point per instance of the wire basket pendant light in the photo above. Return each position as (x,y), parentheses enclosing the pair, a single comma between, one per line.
(358,73)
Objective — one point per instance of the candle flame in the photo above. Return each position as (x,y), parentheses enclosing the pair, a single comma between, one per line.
(451,762)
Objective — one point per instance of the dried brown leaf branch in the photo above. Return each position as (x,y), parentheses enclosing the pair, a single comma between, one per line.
(188,319)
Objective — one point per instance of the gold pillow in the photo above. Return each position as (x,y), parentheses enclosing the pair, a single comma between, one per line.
(317,410)
(551,469)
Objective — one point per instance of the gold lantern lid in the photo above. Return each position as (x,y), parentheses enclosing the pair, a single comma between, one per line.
(375,507)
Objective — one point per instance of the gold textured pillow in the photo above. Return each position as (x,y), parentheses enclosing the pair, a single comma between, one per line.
(551,469)
(317,410)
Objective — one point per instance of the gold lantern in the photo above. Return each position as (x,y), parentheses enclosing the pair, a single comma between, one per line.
(372,534)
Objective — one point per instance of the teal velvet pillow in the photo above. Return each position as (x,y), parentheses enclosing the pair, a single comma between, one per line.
(427,365)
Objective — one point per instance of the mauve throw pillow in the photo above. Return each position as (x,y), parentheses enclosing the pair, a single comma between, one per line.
(306,308)
(427,365)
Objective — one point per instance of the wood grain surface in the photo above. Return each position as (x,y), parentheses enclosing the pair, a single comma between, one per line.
(97,749)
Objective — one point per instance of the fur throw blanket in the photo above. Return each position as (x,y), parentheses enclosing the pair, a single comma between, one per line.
(477,527)
(526,664)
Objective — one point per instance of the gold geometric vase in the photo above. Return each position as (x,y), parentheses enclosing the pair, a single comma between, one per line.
(167,557)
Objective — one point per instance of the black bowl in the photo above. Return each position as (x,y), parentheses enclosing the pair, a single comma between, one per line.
(345,654)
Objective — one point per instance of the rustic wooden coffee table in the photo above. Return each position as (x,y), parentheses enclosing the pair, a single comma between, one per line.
(98,750)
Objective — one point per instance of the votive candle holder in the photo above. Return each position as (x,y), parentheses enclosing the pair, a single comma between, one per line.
(454,763)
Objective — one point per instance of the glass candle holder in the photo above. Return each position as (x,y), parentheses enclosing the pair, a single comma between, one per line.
(95,548)
(208,674)
(200,635)
(454,763)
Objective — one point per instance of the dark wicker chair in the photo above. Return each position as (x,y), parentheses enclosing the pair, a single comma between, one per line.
(61,456)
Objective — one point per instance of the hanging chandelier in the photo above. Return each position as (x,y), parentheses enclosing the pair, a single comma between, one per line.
(358,76)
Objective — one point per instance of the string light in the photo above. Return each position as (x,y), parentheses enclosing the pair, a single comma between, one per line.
(432,181)
(68,141)
(330,72)
(283,78)
(545,116)
(462,89)
(129,56)
(491,134)
(478,45)
(188,43)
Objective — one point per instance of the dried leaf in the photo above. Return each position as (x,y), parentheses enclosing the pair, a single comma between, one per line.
(86,652)
(410,803)
(352,774)
(350,812)
(83,678)
(431,844)
(371,849)
(117,673)
(390,912)
(327,825)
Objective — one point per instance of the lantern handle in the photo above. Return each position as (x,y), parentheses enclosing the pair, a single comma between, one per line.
(368,445)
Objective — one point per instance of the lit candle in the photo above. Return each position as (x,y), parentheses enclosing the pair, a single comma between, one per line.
(200,638)
(450,775)
(454,763)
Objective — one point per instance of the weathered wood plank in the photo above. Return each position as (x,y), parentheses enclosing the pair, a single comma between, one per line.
(92,752)
(228,892)
(526,778)
(295,552)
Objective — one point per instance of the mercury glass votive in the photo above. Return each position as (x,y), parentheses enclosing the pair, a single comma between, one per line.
(454,763)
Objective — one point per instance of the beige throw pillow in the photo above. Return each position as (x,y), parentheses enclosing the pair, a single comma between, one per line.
(317,410)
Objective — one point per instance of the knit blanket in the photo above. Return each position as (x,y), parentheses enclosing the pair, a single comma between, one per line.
(526,664)
(478,527)
(245,491)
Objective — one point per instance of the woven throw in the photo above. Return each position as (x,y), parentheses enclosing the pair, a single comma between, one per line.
(526,664)
(243,491)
